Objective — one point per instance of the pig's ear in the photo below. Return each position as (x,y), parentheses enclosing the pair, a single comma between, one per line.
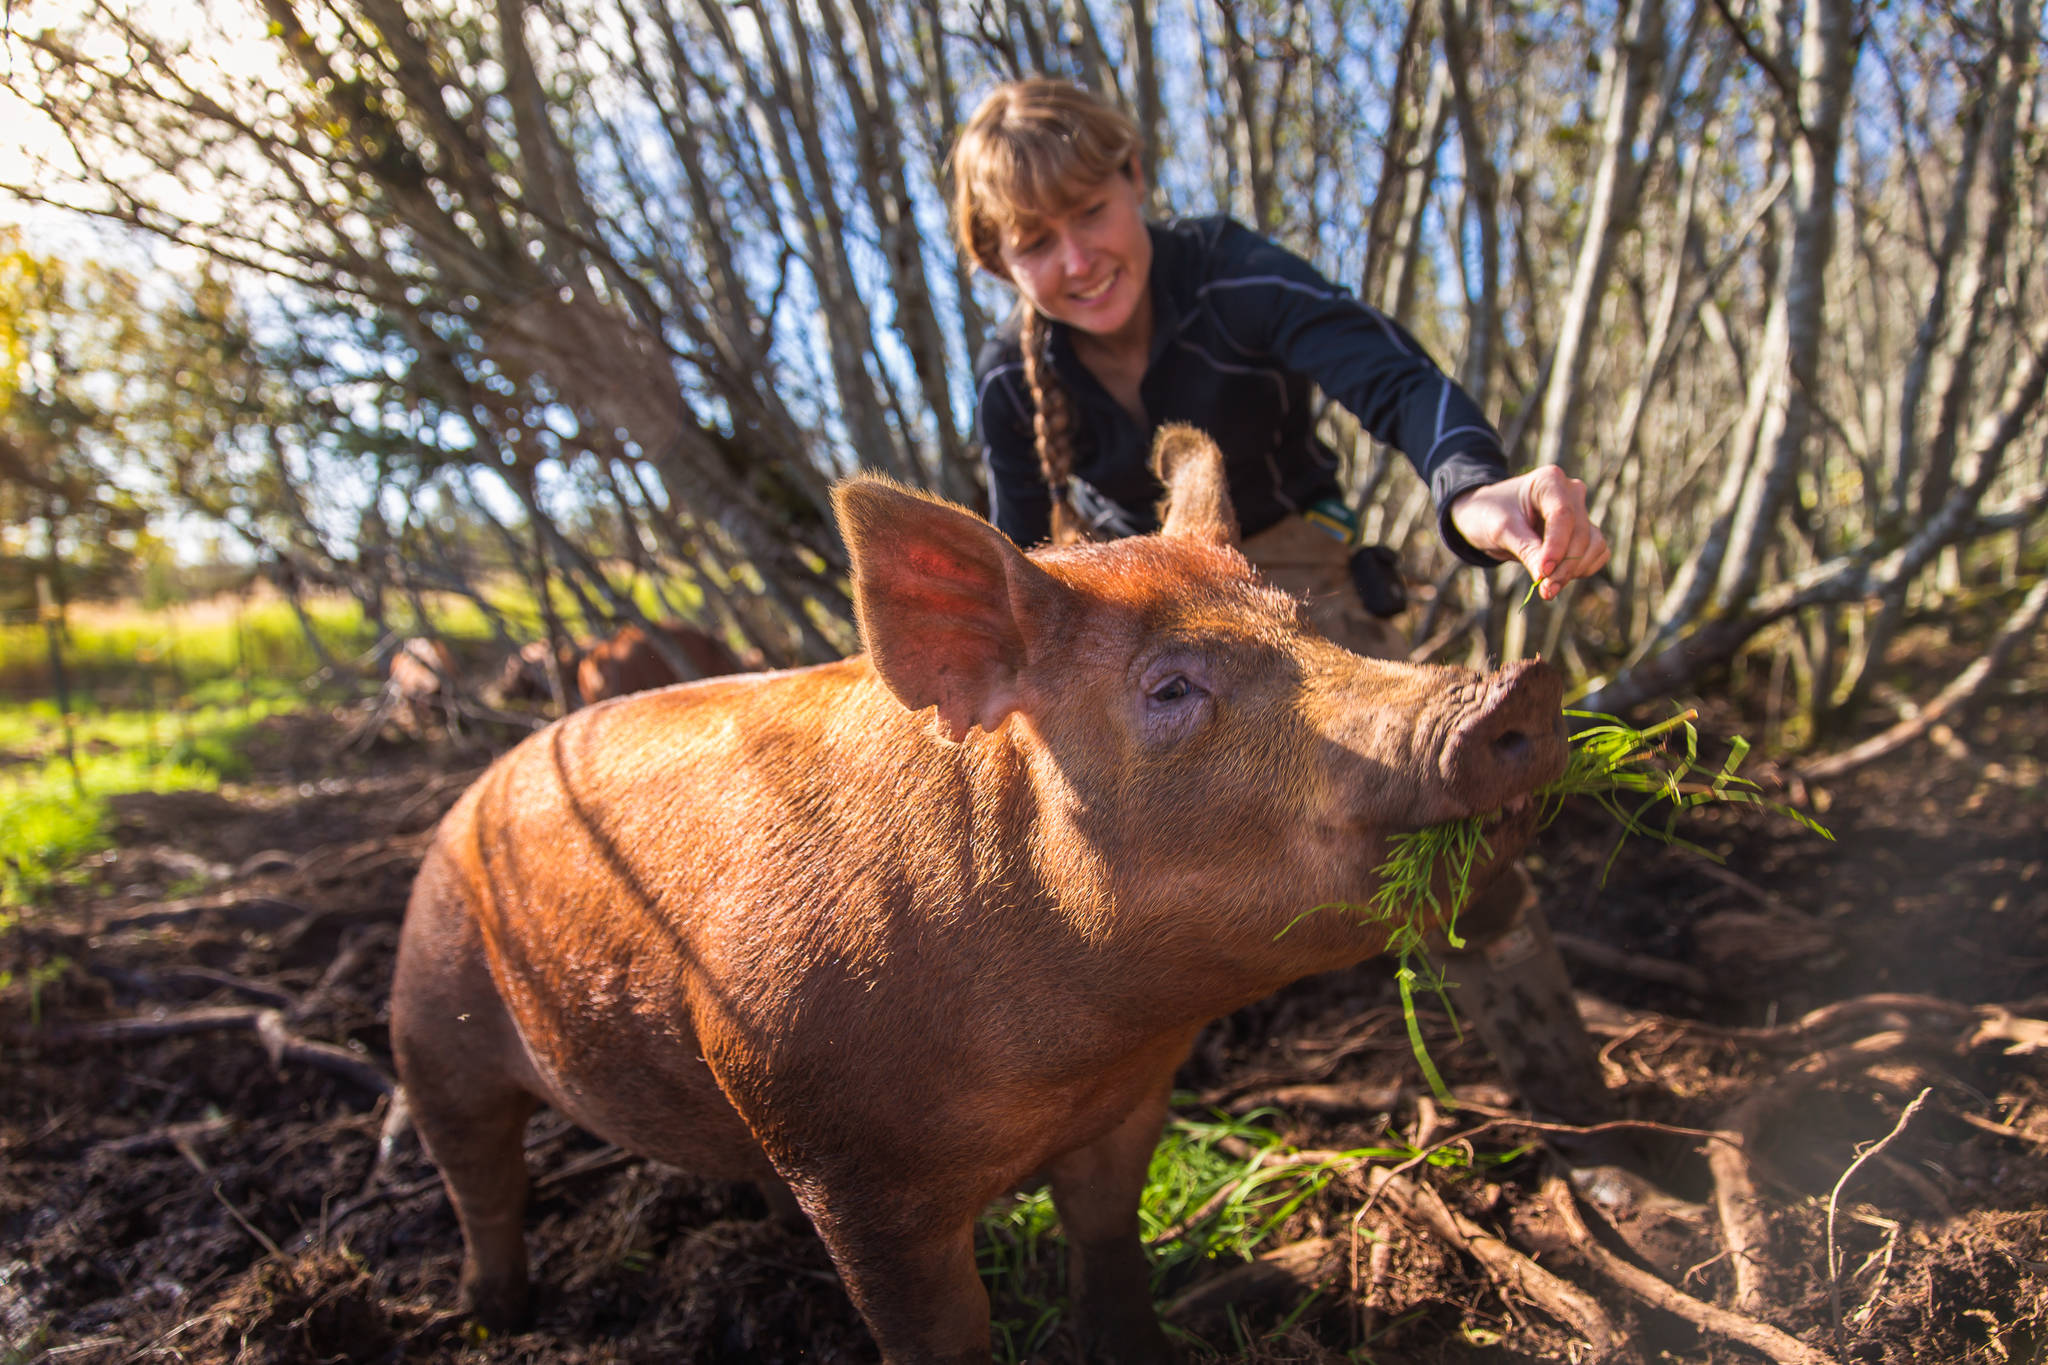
(948,607)
(1197,493)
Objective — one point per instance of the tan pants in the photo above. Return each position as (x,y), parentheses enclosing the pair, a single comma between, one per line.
(1510,981)
(1298,558)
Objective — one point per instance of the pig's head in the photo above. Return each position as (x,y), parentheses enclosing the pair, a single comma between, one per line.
(1201,756)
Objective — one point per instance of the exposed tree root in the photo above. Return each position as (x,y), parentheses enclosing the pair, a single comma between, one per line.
(1834,1202)
(1508,1268)
(1743,1227)
(1593,953)
(1746,1331)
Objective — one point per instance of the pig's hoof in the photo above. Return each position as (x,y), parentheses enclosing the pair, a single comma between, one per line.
(501,1309)
(1135,1344)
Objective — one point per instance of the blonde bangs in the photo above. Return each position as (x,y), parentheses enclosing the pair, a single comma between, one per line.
(1033,150)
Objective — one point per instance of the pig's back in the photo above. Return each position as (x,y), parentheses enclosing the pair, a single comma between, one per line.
(628,827)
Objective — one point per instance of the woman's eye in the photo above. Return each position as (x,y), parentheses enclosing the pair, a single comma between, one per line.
(1173,689)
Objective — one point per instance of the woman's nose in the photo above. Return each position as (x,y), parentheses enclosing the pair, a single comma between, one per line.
(1073,252)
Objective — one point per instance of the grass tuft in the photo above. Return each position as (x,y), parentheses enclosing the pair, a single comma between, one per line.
(1221,1187)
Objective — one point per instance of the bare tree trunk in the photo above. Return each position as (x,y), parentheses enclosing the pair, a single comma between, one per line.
(888,194)
(1404,249)
(1248,138)
(1462,57)
(1829,39)
(1630,68)
(1397,149)
(1150,107)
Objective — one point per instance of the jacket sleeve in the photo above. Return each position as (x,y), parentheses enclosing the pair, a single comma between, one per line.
(1018,501)
(1273,304)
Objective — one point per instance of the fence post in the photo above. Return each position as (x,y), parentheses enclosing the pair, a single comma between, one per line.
(52,614)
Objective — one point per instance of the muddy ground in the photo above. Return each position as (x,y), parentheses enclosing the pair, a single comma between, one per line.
(169,1191)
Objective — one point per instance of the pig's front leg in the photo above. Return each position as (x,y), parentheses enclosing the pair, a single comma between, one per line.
(1109,1282)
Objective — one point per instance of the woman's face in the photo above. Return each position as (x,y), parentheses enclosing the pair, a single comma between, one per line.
(1089,268)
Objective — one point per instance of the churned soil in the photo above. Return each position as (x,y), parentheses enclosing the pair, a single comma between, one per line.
(197,1162)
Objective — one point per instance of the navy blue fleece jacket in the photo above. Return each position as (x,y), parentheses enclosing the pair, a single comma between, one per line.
(1241,328)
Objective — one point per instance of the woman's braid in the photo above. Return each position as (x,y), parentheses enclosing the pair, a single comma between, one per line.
(1052,424)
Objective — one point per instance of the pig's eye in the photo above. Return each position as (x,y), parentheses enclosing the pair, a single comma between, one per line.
(1173,689)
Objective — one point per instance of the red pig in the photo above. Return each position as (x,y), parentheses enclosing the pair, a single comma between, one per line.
(420,683)
(905,931)
(629,662)
(524,676)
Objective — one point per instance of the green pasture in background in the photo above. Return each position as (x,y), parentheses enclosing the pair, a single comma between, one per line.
(164,700)
(161,700)
(49,823)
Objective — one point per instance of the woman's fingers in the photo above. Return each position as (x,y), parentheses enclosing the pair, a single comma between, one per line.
(1572,546)
(1539,519)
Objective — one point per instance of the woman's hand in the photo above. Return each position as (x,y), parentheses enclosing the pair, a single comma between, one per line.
(1538,518)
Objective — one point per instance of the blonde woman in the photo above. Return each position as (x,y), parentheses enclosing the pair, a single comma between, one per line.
(1123,325)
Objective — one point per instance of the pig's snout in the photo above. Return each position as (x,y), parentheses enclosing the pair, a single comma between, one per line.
(1512,739)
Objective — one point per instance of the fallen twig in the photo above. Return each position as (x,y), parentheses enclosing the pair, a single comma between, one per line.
(1834,1199)
(1999,1025)
(1863,1013)
(1365,1095)
(431,793)
(2004,1130)
(1735,1327)
(1838,1016)
(1283,1271)
(269,1025)
(1915,1179)
(1366,1294)
(153,985)
(356,948)
(1707,867)
(170,1136)
(233,907)
(2021,625)
(247,1226)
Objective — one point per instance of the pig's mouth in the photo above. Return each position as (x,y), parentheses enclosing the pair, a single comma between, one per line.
(1513,822)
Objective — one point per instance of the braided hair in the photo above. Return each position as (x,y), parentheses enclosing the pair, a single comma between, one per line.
(1034,149)
(1052,422)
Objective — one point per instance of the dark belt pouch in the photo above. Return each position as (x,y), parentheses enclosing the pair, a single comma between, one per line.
(1376,574)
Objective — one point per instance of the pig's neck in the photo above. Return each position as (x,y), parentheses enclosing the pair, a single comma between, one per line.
(1140,949)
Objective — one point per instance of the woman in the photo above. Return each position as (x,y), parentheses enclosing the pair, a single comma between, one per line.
(1122,326)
